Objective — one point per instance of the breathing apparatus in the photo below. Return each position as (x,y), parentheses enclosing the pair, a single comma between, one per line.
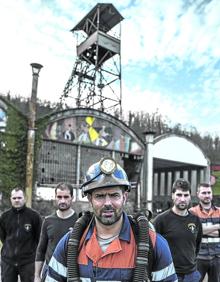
(104,174)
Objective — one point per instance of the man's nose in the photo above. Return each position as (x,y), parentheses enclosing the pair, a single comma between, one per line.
(107,200)
(62,199)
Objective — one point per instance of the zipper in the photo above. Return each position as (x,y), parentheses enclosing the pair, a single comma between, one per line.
(16,238)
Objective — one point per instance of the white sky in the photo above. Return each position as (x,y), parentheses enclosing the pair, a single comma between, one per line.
(170,54)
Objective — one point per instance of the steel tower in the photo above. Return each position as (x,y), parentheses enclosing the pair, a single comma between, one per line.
(95,81)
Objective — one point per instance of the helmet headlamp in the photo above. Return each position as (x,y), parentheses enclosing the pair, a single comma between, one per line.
(108,165)
(105,173)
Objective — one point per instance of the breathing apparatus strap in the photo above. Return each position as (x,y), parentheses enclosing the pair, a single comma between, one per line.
(144,260)
(73,246)
(140,227)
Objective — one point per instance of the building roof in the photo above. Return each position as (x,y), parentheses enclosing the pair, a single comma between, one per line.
(171,150)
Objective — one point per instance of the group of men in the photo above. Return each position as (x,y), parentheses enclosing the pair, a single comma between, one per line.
(192,233)
(107,244)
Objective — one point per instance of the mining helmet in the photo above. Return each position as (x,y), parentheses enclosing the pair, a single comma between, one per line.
(105,173)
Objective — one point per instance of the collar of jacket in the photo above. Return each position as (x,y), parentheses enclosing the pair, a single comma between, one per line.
(16,210)
(124,233)
(212,207)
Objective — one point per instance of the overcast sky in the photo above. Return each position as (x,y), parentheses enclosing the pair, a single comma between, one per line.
(170,54)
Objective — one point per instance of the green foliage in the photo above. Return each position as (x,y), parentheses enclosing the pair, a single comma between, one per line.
(216,186)
(13,151)
(13,145)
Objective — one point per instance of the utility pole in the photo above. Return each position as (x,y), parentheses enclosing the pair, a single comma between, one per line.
(31,133)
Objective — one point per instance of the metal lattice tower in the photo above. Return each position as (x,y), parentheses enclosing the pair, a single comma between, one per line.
(95,81)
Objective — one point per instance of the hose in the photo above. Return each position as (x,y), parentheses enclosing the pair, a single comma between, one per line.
(73,246)
(142,272)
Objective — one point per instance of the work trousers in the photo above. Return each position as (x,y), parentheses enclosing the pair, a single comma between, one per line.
(191,277)
(210,267)
(10,272)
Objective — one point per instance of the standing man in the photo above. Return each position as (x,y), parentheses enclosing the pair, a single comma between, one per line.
(209,254)
(183,232)
(106,245)
(19,232)
(54,227)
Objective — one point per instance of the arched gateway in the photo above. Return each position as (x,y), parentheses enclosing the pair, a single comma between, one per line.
(69,141)
(73,139)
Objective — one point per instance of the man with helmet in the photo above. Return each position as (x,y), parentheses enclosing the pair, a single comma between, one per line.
(109,245)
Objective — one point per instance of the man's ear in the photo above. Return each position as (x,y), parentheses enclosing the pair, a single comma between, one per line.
(89,197)
(125,195)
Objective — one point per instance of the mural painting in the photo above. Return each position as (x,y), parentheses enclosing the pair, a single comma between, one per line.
(94,131)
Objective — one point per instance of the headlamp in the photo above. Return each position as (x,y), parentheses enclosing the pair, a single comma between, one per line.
(103,174)
(107,165)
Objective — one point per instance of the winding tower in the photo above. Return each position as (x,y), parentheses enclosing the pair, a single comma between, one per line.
(95,81)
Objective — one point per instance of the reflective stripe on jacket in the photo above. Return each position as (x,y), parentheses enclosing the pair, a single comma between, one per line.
(116,263)
(210,246)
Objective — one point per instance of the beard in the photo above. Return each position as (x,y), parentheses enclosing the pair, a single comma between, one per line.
(108,215)
(63,207)
(206,201)
(182,206)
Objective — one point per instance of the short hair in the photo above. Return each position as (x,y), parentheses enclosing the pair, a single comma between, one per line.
(181,184)
(64,186)
(16,189)
(204,184)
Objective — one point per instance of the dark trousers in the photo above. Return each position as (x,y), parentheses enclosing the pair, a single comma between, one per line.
(211,267)
(10,272)
(191,277)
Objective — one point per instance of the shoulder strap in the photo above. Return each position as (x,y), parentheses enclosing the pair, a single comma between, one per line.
(73,246)
(144,236)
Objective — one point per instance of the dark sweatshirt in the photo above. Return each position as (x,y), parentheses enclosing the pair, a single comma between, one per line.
(19,233)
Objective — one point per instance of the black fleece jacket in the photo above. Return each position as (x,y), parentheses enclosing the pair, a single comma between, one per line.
(19,233)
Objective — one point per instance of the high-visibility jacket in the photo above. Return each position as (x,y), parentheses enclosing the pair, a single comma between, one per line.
(116,263)
(210,246)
